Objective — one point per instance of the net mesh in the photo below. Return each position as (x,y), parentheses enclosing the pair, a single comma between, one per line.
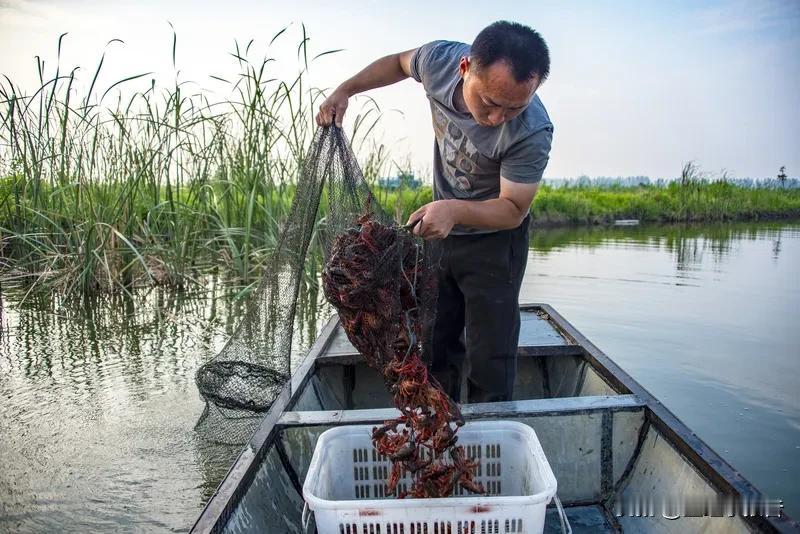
(382,282)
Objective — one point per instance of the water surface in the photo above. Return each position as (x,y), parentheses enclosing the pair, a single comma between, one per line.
(98,401)
(705,318)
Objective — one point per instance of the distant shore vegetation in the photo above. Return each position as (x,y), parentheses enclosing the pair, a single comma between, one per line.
(691,197)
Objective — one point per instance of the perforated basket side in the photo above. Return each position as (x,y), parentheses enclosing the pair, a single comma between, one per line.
(342,492)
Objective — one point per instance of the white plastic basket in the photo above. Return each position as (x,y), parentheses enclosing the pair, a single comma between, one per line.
(345,486)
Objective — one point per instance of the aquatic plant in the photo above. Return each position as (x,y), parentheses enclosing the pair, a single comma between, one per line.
(161,185)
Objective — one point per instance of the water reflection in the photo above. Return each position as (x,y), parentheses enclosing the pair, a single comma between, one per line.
(240,383)
(689,243)
(99,400)
(704,317)
(99,403)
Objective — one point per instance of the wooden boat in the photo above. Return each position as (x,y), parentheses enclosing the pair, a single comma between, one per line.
(611,444)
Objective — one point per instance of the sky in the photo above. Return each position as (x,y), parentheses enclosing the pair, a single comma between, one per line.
(636,88)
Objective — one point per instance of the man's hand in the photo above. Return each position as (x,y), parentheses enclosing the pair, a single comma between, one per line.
(502,213)
(436,219)
(385,71)
(334,105)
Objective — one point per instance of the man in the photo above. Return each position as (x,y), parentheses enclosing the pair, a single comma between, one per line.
(493,140)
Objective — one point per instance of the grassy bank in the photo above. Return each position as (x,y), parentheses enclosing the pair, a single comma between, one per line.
(101,193)
(165,185)
(104,236)
(689,202)
(694,200)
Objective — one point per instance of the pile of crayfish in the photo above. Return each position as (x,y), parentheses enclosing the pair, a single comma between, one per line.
(375,275)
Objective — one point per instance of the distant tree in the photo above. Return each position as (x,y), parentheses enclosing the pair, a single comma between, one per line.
(406,177)
(782,176)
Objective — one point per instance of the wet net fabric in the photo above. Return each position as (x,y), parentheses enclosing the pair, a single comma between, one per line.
(381,280)
(240,383)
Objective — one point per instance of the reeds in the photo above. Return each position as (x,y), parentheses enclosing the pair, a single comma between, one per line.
(157,188)
(164,185)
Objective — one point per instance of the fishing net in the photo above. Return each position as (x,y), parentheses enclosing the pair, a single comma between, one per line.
(241,382)
(382,281)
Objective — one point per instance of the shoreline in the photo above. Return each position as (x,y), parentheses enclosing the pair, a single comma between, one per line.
(80,239)
(545,224)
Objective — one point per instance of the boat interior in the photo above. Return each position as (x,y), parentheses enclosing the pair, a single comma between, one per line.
(620,458)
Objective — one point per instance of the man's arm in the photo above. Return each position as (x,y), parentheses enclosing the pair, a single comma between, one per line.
(502,213)
(385,71)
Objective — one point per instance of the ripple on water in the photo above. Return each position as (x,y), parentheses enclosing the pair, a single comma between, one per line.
(96,424)
(98,404)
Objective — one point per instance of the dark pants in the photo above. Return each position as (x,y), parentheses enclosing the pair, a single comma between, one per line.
(477,316)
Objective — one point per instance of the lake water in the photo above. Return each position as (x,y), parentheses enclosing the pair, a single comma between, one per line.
(98,402)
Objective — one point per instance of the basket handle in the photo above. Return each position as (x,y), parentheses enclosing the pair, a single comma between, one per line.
(562,516)
(305,517)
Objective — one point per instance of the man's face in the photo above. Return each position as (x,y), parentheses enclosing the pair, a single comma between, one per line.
(492,95)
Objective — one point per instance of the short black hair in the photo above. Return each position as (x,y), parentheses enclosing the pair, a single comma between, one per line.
(520,46)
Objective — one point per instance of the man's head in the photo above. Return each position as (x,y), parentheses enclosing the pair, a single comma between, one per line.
(507,63)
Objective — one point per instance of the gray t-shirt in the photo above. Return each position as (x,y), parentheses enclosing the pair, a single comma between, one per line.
(468,159)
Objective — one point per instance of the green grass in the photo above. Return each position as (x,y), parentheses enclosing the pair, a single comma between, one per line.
(157,188)
(700,201)
(693,202)
(166,185)
(587,205)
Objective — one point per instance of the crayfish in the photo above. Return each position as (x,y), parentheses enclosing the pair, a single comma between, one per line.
(377,279)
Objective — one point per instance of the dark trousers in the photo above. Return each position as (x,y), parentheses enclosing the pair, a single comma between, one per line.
(476,329)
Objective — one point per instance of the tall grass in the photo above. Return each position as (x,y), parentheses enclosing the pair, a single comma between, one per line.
(158,187)
(165,184)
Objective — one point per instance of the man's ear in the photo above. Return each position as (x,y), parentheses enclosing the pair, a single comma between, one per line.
(464,65)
